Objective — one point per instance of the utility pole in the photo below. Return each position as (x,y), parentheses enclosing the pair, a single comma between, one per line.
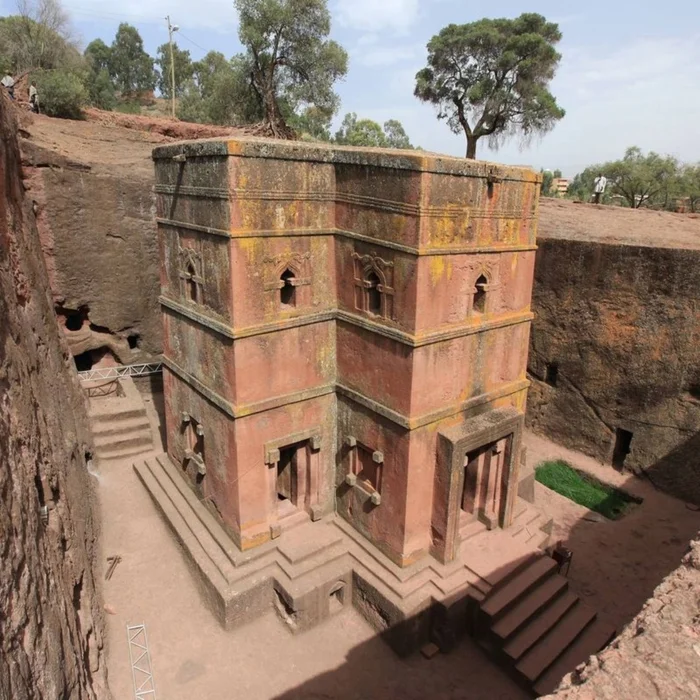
(172,28)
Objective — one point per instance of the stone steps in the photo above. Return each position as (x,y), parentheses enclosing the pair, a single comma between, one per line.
(503,599)
(120,425)
(596,636)
(538,627)
(528,607)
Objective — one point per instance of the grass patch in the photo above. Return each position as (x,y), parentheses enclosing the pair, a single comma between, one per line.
(583,489)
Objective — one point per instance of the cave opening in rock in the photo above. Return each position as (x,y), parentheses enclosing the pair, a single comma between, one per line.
(134,341)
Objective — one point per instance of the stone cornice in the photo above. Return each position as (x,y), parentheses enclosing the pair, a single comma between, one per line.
(413,341)
(293,233)
(406,422)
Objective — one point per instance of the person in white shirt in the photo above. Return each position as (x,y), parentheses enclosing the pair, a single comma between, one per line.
(33,98)
(8,82)
(599,185)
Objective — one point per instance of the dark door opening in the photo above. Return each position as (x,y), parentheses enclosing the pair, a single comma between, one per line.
(551,374)
(285,473)
(480,295)
(623,445)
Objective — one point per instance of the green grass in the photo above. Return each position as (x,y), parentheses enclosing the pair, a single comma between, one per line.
(585,490)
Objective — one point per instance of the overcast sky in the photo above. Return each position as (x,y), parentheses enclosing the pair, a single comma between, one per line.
(630,72)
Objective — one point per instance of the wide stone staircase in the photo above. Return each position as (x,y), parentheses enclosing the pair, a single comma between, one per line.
(120,424)
(538,627)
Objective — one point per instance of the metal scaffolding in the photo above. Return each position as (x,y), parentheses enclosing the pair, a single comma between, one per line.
(141,671)
(123,371)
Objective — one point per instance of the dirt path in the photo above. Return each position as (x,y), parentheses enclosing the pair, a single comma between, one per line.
(616,565)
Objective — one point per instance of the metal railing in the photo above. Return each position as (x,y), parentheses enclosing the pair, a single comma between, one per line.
(102,373)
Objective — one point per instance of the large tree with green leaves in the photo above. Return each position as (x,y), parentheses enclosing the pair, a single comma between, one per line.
(650,180)
(183,69)
(38,36)
(219,92)
(131,67)
(291,58)
(491,78)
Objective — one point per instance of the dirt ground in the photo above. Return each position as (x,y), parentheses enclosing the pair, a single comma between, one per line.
(611,224)
(193,657)
(616,566)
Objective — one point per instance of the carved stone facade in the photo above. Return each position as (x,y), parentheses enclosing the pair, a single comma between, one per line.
(361,328)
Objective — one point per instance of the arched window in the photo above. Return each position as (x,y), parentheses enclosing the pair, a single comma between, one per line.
(288,290)
(191,283)
(374,295)
(480,295)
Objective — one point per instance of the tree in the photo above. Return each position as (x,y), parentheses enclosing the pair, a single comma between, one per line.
(183,70)
(396,136)
(690,185)
(220,93)
(291,58)
(130,66)
(490,78)
(313,123)
(360,132)
(547,181)
(367,133)
(39,36)
(99,85)
(99,55)
(639,180)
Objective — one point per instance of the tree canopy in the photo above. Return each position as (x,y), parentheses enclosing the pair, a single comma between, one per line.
(130,66)
(368,133)
(290,56)
(638,179)
(39,36)
(491,78)
(183,69)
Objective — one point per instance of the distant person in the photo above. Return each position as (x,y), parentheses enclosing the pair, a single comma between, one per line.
(599,185)
(33,98)
(8,82)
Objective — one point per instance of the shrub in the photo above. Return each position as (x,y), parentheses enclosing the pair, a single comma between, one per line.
(128,108)
(61,94)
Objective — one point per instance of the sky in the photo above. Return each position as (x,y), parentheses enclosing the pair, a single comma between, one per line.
(629,74)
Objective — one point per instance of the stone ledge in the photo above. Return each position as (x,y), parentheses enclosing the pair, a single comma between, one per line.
(300,572)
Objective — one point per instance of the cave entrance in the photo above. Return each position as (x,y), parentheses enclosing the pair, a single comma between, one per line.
(623,446)
(95,359)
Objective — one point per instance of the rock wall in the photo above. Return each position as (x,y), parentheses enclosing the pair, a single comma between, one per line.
(615,357)
(92,192)
(656,656)
(51,622)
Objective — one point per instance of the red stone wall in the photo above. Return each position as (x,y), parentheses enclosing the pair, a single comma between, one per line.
(427,228)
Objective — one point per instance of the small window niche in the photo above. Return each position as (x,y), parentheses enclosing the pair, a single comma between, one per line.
(373,293)
(480,288)
(191,284)
(288,290)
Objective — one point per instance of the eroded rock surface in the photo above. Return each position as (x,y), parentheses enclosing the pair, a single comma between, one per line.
(614,353)
(92,189)
(51,622)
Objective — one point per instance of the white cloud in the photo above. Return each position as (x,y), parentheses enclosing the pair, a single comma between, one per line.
(376,15)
